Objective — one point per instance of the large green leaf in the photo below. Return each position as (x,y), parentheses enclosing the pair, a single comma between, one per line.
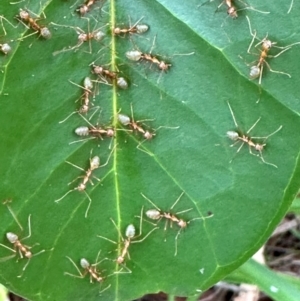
(247,197)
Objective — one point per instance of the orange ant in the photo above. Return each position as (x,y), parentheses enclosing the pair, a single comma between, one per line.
(136,126)
(235,136)
(94,164)
(101,71)
(130,236)
(84,8)
(25,17)
(137,55)
(87,86)
(95,131)
(96,34)
(18,246)
(257,70)
(90,269)
(231,8)
(158,214)
(135,28)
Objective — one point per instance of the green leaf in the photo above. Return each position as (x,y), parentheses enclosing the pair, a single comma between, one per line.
(247,197)
(276,285)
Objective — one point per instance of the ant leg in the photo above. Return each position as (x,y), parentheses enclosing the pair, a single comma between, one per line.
(58,200)
(137,241)
(143,150)
(291,5)
(8,248)
(75,265)
(278,72)
(204,3)
(89,205)
(13,215)
(176,241)
(177,200)
(150,202)
(75,179)
(266,137)
(253,126)
(105,289)
(76,166)
(24,268)
(268,163)
(128,271)
(232,114)
(29,227)
(240,147)
(284,49)
(109,156)
(97,258)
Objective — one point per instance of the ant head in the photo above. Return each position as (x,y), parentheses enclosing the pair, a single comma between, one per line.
(81,187)
(97,69)
(164,66)
(259,147)
(28,254)
(83,109)
(82,37)
(117,30)
(120,260)
(232,12)
(110,132)
(24,14)
(182,224)
(148,135)
(83,9)
(267,44)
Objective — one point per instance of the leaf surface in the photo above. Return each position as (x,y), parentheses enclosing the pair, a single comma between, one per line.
(246,197)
